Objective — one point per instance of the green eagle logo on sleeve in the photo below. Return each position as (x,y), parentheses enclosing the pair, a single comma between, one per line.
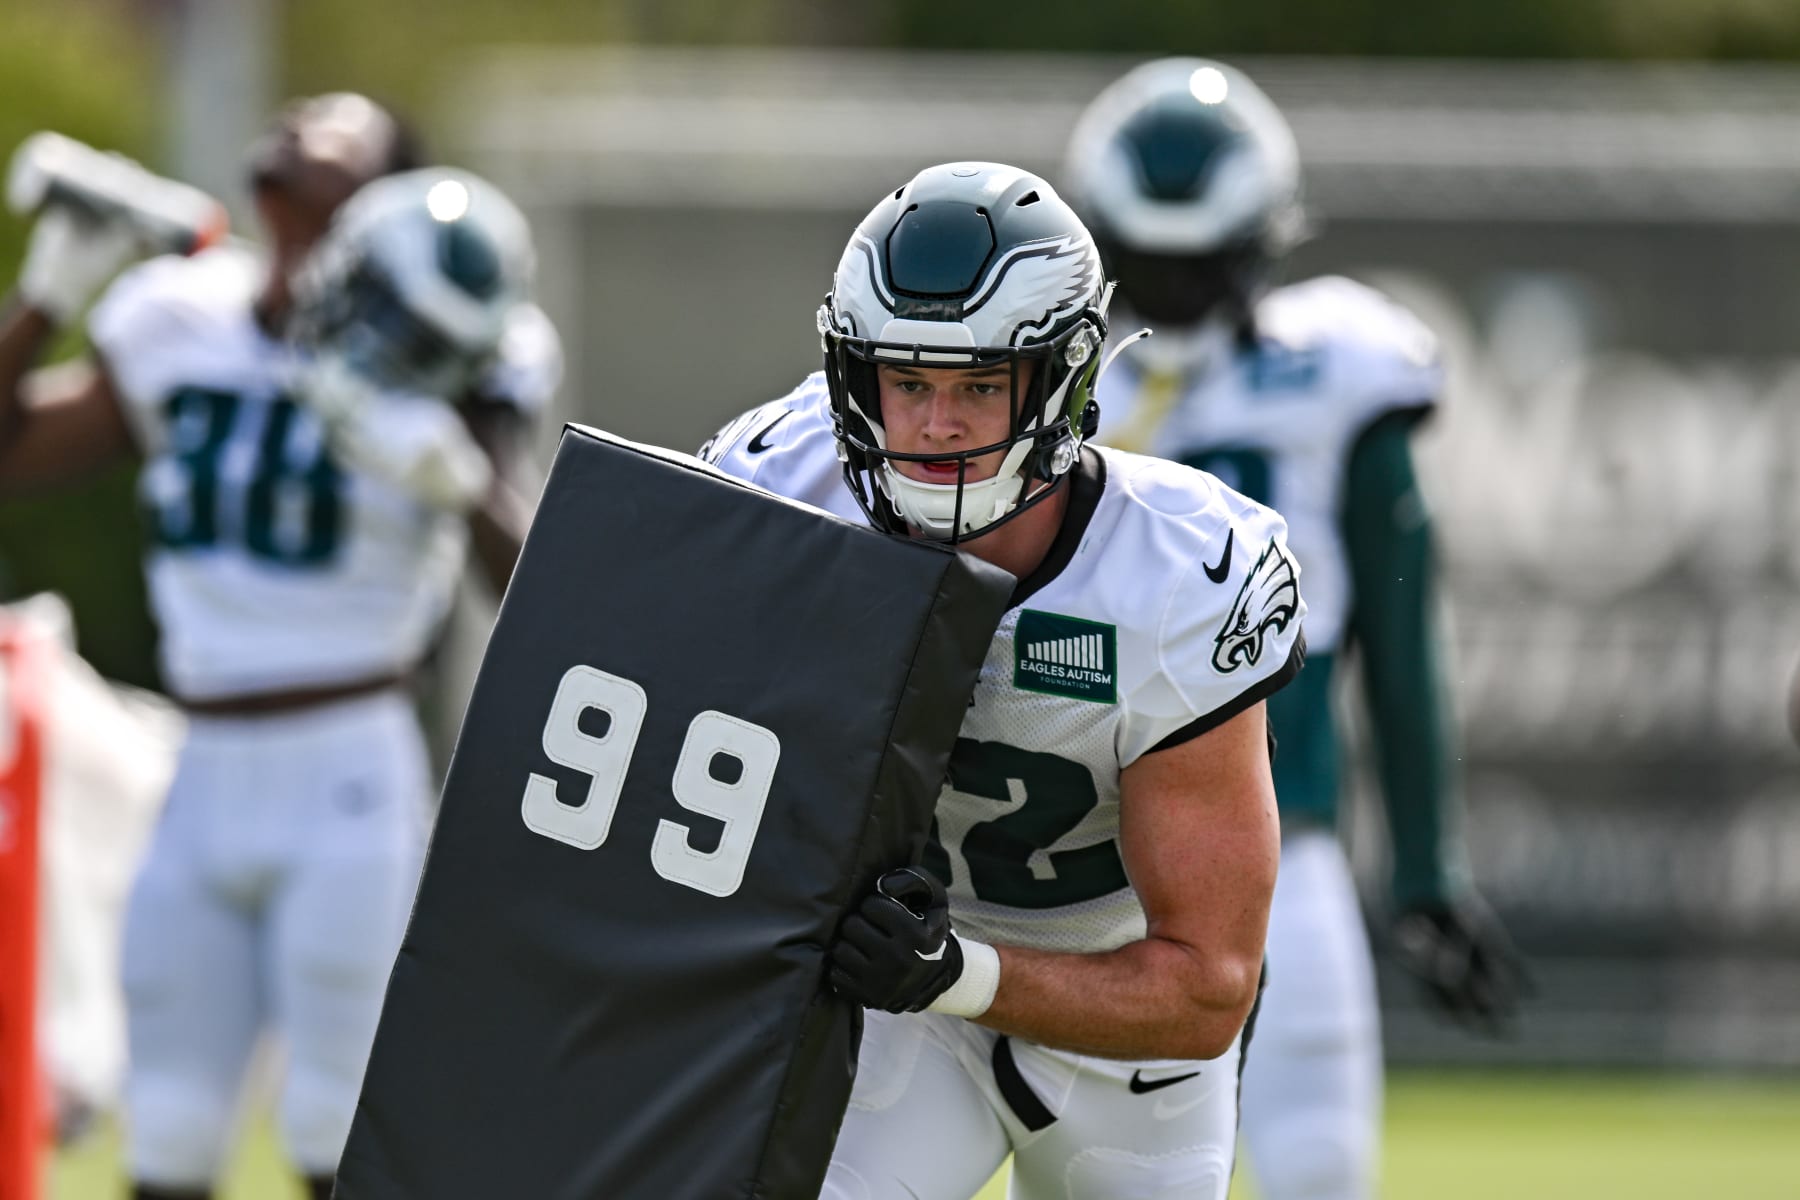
(1269,599)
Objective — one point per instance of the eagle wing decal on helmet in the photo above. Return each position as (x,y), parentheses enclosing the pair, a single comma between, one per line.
(1269,599)
(1056,277)
(862,297)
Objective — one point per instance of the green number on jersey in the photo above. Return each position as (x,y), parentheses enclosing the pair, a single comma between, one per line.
(288,478)
(1009,858)
(199,425)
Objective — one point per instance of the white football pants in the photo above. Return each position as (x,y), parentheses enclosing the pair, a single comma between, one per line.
(1312,1076)
(274,895)
(935,1111)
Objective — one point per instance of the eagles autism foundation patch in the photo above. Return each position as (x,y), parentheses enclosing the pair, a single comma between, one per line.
(1066,656)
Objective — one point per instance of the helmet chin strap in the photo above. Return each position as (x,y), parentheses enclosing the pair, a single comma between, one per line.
(932,507)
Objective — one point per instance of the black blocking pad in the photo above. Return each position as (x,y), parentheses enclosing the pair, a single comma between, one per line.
(625,1000)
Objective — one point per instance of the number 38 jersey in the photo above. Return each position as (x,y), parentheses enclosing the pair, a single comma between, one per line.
(1278,419)
(271,565)
(1167,605)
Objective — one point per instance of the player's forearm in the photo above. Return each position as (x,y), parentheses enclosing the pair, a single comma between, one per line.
(497,532)
(1149,999)
(25,334)
(1412,739)
(1406,714)
(1393,569)
(499,519)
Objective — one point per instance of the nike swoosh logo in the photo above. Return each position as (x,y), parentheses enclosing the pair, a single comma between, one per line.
(1217,574)
(757,445)
(1139,1085)
(935,954)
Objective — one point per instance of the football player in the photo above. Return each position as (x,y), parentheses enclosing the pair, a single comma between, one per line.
(323,427)
(1067,974)
(1303,398)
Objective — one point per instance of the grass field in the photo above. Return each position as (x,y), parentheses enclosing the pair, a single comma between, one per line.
(1466,1136)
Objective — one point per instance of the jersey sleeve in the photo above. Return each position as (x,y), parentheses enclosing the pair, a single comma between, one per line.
(529,364)
(1394,358)
(1229,633)
(136,320)
(787,447)
(1378,357)
(725,449)
(746,445)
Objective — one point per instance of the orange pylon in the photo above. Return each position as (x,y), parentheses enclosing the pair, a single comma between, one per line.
(22,683)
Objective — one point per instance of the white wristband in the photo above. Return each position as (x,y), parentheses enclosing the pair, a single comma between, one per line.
(973,992)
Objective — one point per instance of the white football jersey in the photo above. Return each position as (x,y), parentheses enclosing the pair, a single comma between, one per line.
(1278,421)
(271,565)
(1167,605)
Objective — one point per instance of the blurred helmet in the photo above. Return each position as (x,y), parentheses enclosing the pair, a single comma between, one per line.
(968,265)
(413,284)
(1190,180)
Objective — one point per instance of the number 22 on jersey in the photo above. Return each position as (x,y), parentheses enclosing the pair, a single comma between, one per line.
(1014,859)
(724,771)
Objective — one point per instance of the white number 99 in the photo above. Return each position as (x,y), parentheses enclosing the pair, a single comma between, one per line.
(725,770)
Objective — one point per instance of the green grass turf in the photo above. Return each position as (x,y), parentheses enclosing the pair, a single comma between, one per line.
(1483,1136)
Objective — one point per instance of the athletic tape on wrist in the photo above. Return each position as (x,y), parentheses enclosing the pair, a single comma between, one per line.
(973,992)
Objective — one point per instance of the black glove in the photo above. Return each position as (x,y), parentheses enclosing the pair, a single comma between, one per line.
(1469,967)
(896,951)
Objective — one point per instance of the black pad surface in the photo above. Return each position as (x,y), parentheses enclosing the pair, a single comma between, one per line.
(634,1008)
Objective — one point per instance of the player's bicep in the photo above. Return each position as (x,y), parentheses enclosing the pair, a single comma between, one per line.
(1200,839)
(72,423)
(1387,537)
(1386,526)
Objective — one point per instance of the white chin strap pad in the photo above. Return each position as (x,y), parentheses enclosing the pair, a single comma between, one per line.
(931,508)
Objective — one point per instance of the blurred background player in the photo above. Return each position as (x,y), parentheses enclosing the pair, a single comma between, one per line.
(1303,398)
(324,428)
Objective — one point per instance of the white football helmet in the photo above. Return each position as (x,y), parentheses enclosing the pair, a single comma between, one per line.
(413,284)
(968,264)
(1189,177)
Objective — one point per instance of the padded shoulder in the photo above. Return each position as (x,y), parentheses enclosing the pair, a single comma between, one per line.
(1204,578)
(787,446)
(171,296)
(1378,354)
(168,310)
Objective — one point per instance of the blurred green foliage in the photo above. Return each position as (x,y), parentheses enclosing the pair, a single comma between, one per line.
(87,70)
(408,52)
(1683,29)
